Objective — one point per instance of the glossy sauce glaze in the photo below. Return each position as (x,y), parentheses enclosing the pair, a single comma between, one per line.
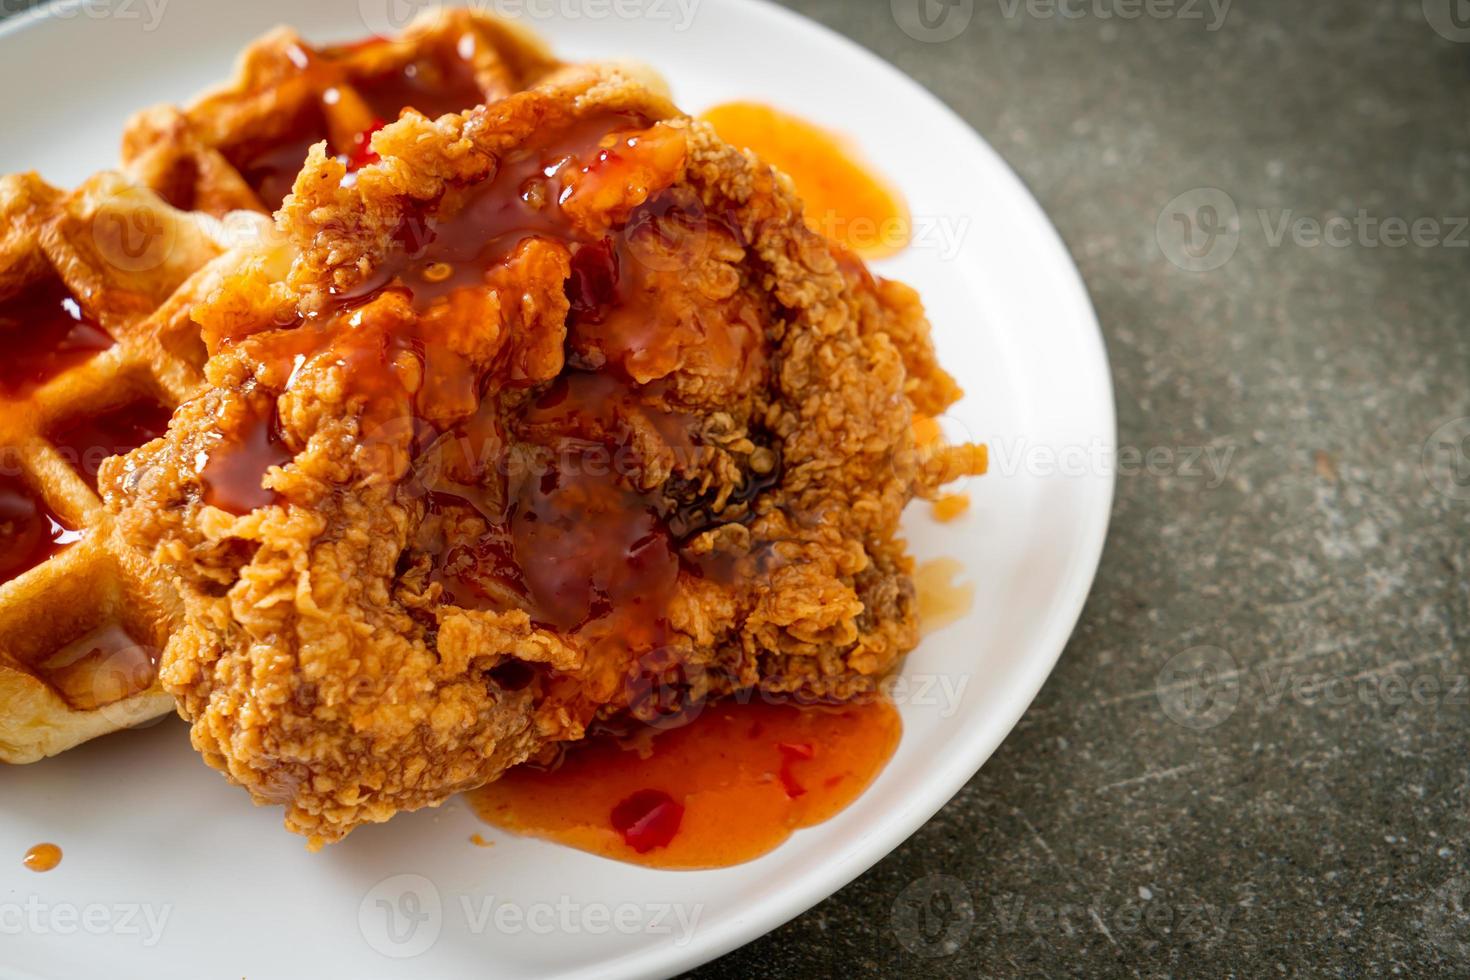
(727,787)
(29,531)
(529,509)
(43,333)
(85,442)
(352,109)
(845,200)
(43,857)
(233,473)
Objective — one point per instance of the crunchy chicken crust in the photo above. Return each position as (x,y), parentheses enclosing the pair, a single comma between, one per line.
(437,583)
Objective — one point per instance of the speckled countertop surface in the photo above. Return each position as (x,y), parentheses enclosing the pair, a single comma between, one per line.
(1252,758)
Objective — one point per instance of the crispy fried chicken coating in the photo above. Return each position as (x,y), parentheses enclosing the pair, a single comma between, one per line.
(558,413)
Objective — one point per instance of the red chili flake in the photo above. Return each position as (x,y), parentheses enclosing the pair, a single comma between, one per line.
(649,818)
(791,753)
(593,284)
(362,148)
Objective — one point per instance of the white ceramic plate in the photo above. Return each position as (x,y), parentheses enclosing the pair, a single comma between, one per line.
(170,873)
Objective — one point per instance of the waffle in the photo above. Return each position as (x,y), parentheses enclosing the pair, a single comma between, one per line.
(109,273)
(96,349)
(241,146)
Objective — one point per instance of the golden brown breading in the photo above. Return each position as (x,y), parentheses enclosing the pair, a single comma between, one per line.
(563,413)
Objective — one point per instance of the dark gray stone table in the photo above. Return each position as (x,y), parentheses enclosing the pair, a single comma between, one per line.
(1251,759)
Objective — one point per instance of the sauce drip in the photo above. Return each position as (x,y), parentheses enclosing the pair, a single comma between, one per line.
(438,254)
(43,857)
(845,200)
(531,499)
(441,267)
(941,600)
(432,86)
(568,541)
(232,475)
(29,531)
(86,442)
(351,108)
(43,333)
(726,788)
(272,171)
(101,668)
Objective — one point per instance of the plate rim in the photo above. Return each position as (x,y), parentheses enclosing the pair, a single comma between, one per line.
(792,898)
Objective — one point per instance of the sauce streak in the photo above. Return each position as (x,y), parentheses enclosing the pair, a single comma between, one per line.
(724,789)
(43,857)
(845,200)
(29,531)
(233,473)
(43,333)
(88,441)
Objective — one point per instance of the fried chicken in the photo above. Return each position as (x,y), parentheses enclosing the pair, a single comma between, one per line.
(557,413)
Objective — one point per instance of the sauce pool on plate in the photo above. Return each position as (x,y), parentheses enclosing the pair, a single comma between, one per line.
(43,857)
(845,200)
(942,600)
(725,788)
